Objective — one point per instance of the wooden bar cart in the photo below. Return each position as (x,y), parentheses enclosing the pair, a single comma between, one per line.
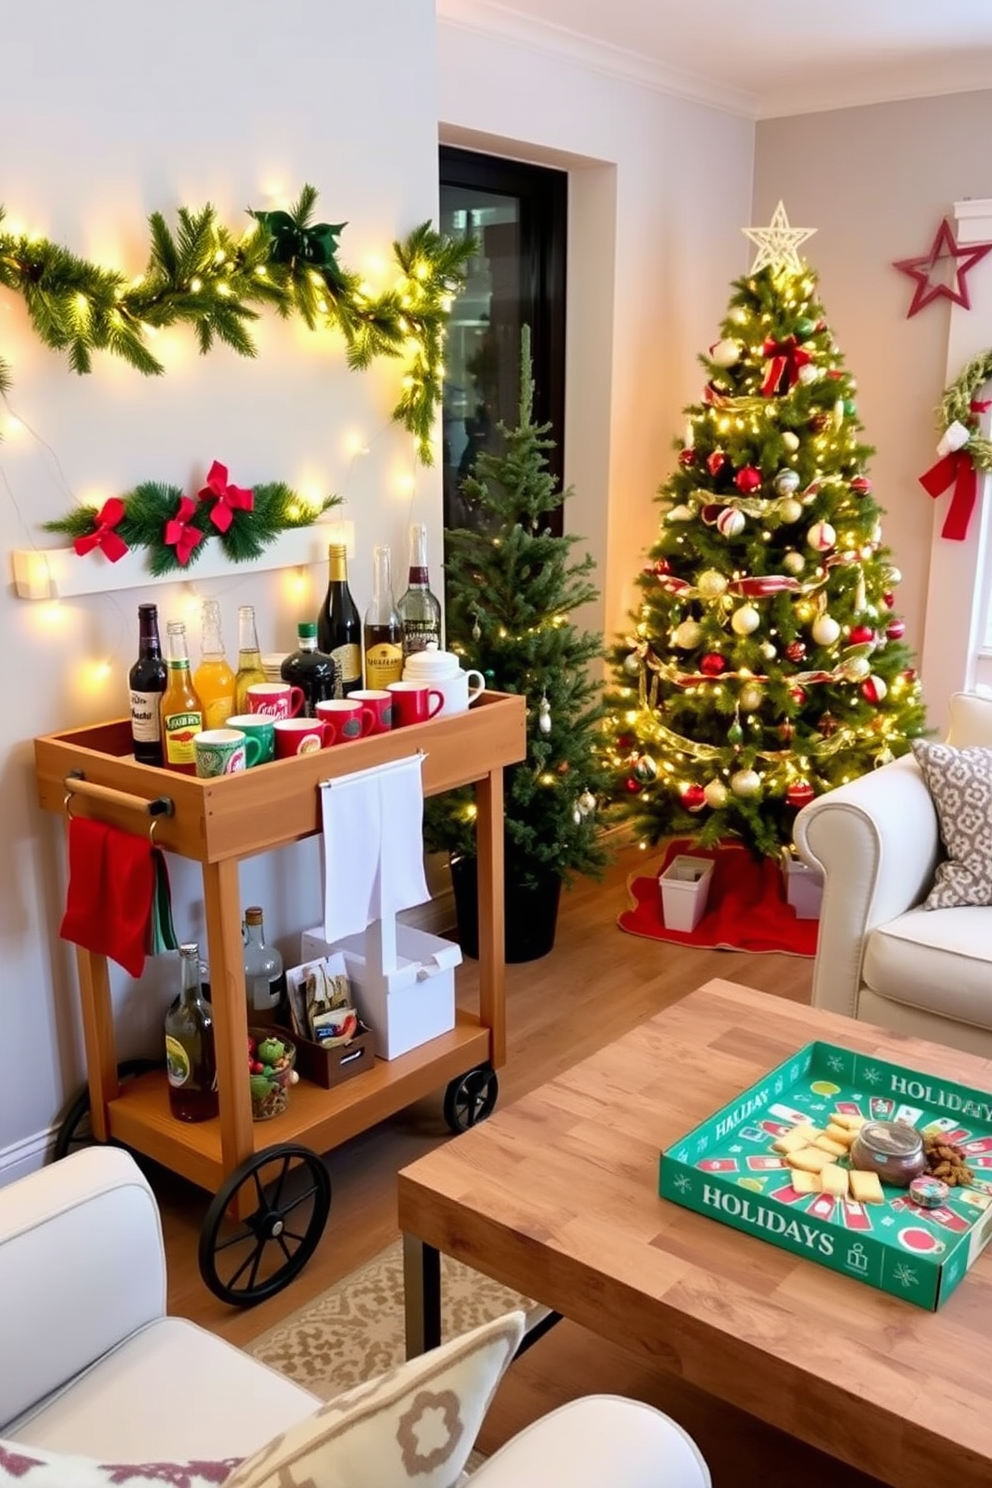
(250,1167)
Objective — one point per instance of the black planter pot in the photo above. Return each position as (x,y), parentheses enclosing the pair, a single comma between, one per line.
(531,914)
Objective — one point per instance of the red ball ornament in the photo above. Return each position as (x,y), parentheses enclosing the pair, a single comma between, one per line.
(819,422)
(712,664)
(895,630)
(625,741)
(888,599)
(687,457)
(795,651)
(861,635)
(861,485)
(798,695)
(748,479)
(662,566)
(715,462)
(786,731)
(694,798)
(799,794)
(873,689)
(827,725)
(632,785)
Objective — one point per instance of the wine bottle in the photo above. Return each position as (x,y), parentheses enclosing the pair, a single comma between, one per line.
(265,984)
(382,636)
(250,668)
(213,679)
(318,675)
(147,680)
(339,625)
(190,1059)
(419,609)
(181,709)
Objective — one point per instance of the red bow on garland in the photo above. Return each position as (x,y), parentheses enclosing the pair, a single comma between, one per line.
(103,536)
(787,358)
(179,534)
(956,469)
(227,499)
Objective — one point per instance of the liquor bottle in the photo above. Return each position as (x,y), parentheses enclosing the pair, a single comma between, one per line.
(213,679)
(265,984)
(147,680)
(420,610)
(339,625)
(317,674)
(181,709)
(382,637)
(250,668)
(190,1060)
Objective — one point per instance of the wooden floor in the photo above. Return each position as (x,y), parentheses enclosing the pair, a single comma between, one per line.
(596,984)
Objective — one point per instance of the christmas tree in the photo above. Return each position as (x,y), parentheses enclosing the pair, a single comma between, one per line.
(510,588)
(765,664)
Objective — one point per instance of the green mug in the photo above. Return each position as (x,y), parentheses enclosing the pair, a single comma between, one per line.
(224,751)
(260,726)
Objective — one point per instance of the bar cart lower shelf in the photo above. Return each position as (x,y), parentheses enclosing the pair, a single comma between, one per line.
(271,1189)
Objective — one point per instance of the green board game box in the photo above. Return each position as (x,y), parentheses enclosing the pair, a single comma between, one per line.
(726,1169)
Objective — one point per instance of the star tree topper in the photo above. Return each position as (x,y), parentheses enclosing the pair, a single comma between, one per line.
(924,269)
(777,243)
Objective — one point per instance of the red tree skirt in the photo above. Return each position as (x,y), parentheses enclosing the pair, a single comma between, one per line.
(746,909)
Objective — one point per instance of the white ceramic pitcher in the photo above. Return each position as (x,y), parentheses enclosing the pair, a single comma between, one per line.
(443,670)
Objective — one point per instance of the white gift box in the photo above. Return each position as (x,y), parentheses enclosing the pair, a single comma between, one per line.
(685,888)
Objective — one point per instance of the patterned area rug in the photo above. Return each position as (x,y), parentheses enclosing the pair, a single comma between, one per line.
(355,1330)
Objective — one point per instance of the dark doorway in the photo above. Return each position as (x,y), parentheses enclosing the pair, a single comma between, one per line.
(518,215)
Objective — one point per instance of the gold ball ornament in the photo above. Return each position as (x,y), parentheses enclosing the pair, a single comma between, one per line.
(750,696)
(745,783)
(711,583)
(789,509)
(855,668)
(745,621)
(821,537)
(687,635)
(825,630)
(768,651)
(793,562)
(715,793)
(632,664)
(726,353)
(790,441)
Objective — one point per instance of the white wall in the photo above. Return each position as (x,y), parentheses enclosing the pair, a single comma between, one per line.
(109,111)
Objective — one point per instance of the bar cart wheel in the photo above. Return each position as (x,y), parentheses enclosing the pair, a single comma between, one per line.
(74,1128)
(471,1098)
(248,1260)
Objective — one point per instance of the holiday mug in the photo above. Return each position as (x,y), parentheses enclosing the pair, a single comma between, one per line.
(346,719)
(224,751)
(414,702)
(381,703)
(257,726)
(300,736)
(275,699)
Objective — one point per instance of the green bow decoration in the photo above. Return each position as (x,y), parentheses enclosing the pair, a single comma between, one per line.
(292,242)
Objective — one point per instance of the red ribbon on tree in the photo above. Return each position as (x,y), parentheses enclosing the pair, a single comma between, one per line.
(103,536)
(227,499)
(786,359)
(179,534)
(956,469)
(763,586)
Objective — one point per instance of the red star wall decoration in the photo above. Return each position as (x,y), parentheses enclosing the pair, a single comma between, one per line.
(934,263)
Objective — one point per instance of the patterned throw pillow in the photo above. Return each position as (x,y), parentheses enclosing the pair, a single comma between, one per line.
(415,1425)
(33,1467)
(960,782)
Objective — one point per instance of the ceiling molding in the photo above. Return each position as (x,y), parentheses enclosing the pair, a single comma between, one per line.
(491,19)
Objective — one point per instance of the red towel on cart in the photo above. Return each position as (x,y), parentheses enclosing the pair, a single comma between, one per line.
(109,899)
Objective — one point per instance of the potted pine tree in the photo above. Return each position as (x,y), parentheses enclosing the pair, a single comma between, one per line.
(511,586)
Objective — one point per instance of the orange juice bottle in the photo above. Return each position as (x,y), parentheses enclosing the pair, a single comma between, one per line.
(214,681)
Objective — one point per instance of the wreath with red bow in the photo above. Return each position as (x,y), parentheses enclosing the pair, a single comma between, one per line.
(962,451)
(175,528)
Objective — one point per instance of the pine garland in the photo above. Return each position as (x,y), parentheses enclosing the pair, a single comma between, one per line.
(204,275)
(144,517)
(955,407)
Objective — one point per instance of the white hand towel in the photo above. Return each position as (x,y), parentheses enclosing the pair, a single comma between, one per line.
(373,845)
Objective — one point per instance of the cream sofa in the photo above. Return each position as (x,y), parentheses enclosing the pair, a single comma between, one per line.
(881,956)
(93,1366)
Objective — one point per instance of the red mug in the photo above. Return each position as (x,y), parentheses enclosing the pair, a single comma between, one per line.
(300,736)
(346,719)
(275,699)
(381,703)
(414,702)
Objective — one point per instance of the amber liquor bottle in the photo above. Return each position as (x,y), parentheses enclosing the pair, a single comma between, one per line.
(146,680)
(190,1060)
(382,635)
(181,709)
(419,609)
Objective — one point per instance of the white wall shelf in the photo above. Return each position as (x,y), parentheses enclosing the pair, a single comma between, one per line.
(59,573)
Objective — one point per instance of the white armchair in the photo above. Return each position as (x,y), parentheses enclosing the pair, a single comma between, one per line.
(882,957)
(94,1367)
